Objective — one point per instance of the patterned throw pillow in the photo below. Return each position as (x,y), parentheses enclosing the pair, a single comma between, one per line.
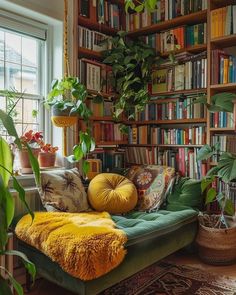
(62,190)
(152,183)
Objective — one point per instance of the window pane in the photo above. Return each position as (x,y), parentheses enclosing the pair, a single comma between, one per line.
(1,75)
(1,45)
(16,114)
(13,47)
(29,52)
(29,80)
(27,127)
(13,76)
(28,107)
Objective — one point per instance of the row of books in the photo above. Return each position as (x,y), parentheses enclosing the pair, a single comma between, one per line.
(95,76)
(223,21)
(92,40)
(107,132)
(227,143)
(181,37)
(148,134)
(165,10)
(221,120)
(179,109)
(223,68)
(101,11)
(112,160)
(189,75)
(101,109)
(182,159)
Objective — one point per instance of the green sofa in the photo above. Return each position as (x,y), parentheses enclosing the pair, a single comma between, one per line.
(151,237)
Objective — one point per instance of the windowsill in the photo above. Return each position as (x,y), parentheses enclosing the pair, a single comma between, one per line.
(26,181)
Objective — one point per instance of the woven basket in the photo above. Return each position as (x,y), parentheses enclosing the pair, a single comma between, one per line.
(217,246)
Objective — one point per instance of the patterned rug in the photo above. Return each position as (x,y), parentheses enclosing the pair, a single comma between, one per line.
(167,279)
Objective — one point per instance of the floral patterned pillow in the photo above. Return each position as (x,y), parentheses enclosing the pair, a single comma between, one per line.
(62,190)
(152,183)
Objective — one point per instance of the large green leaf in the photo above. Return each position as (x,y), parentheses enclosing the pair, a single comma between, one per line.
(206,182)
(205,152)
(211,195)
(227,165)
(224,101)
(34,164)
(10,127)
(229,207)
(4,287)
(10,207)
(18,288)
(6,162)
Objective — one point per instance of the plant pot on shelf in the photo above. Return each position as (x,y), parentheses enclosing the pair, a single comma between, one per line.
(25,161)
(217,246)
(62,118)
(47,159)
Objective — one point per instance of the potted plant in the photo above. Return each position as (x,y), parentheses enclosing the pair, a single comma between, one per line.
(47,155)
(7,202)
(131,62)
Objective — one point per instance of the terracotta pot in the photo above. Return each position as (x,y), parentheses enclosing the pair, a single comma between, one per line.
(47,159)
(25,161)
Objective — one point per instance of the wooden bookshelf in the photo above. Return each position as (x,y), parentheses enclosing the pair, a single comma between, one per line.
(224,41)
(166,145)
(224,87)
(193,18)
(84,52)
(111,143)
(92,25)
(221,129)
(165,122)
(193,49)
(178,92)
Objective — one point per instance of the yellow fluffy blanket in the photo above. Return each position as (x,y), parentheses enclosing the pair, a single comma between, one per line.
(86,245)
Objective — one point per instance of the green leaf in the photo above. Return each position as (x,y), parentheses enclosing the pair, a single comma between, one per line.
(34,164)
(229,207)
(84,147)
(10,207)
(139,8)
(211,195)
(10,127)
(6,162)
(78,153)
(227,165)
(93,145)
(4,287)
(205,153)
(28,264)
(85,167)
(15,284)
(21,192)
(206,182)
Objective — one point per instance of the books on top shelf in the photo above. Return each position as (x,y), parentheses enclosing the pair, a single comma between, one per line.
(227,143)
(182,159)
(148,134)
(223,69)
(189,73)
(166,10)
(101,11)
(223,21)
(172,110)
(107,132)
(102,109)
(221,120)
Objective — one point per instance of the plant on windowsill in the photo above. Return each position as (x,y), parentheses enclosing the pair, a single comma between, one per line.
(7,203)
(131,62)
(47,155)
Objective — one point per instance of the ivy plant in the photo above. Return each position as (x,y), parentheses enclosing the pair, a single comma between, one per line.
(139,6)
(131,62)
(7,202)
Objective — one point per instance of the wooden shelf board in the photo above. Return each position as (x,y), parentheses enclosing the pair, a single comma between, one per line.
(221,129)
(222,87)
(177,121)
(103,94)
(220,3)
(95,26)
(189,91)
(102,119)
(193,18)
(107,143)
(84,52)
(166,145)
(224,41)
(192,49)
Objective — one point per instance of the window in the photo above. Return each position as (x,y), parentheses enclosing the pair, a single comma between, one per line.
(22,68)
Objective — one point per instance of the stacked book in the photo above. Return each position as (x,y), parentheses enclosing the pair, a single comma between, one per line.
(148,134)
(221,120)
(101,11)
(223,69)
(189,73)
(223,21)
(101,109)
(107,132)
(140,155)
(165,10)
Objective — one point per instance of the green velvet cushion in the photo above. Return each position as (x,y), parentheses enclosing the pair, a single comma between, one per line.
(185,194)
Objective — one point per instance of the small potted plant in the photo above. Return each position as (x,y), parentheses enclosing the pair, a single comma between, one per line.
(47,155)
(32,139)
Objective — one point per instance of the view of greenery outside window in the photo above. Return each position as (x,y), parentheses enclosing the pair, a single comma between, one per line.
(21,70)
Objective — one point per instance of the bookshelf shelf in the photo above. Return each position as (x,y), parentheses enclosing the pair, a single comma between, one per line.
(224,87)
(177,92)
(103,94)
(84,52)
(197,17)
(102,119)
(224,41)
(166,145)
(109,143)
(86,22)
(221,129)
(193,49)
(164,122)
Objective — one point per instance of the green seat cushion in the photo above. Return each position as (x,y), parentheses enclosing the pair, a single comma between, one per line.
(141,226)
(185,194)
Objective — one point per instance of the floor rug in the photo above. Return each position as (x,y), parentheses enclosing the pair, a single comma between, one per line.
(168,279)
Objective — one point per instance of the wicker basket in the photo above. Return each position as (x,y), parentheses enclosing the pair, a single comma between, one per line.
(217,246)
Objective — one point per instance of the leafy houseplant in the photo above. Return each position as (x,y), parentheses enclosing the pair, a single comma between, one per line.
(7,202)
(139,6)
(131,62)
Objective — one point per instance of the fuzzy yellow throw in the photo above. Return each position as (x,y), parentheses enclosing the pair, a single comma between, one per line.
(86,245)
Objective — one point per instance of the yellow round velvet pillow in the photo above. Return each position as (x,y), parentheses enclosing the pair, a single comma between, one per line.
(112,193)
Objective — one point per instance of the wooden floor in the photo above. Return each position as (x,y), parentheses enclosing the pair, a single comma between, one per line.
(42,287)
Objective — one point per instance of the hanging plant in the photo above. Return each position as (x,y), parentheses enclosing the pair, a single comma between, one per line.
(140,6)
